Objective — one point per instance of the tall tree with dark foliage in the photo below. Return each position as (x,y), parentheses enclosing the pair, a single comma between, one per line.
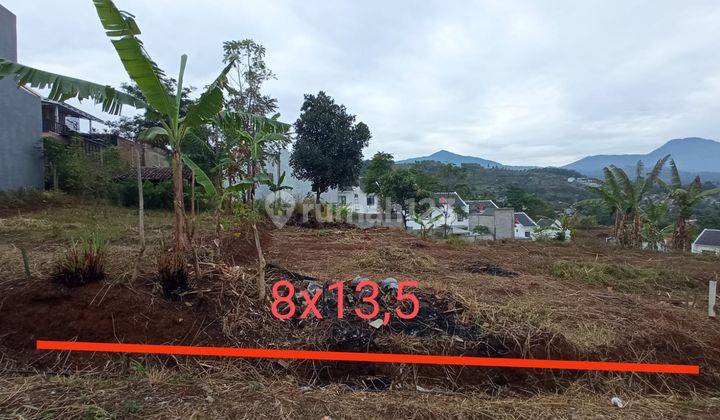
(328,150)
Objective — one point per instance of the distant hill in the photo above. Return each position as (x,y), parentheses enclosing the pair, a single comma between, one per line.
(694,156)
(444,156)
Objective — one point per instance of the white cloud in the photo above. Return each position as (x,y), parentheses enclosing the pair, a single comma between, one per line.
(520,82)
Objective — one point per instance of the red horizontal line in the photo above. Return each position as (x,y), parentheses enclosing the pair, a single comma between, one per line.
(367,357)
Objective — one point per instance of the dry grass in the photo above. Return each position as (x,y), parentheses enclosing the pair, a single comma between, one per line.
(583,300)
(393,259)
(213,390)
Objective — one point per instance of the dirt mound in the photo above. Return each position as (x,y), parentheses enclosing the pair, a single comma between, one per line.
(100,312)
(237,246)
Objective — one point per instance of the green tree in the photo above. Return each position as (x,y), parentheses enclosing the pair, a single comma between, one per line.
(244,92)
(380,165)
(400,188)
(685,198)
(328,149)
(521,200)
(263,131)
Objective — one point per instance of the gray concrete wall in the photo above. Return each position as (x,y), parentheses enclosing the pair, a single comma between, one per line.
(504,223)
(475,219)
(21,164)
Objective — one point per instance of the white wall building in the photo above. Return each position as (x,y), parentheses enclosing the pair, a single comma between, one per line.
(445,208)
(358,201)
(300,188)
(707,242)
(524,226)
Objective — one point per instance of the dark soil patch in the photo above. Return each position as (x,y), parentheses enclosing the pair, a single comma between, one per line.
(491,269)
(314,224)
(102,313)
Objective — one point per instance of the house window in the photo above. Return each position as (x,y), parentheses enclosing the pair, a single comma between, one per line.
(527,234)
(371,200)
(343,200)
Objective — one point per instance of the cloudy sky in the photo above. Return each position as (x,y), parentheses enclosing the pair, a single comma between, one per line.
(519,82)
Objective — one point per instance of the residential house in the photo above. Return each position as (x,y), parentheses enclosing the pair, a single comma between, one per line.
(300,189)
(67,123)
(448,211)
(21,158)
(708,242)
(359,201)
(549,229)
(524,226)
(498,221)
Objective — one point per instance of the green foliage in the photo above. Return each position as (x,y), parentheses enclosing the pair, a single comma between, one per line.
(530,203)
(380,165)
(328,150)
(593,209)
(402,190)
(244,95)
(88,175)
(83,263)
(481,230)
(30,198)
(473,181)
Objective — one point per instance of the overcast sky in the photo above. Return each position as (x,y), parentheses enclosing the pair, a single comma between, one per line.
(527,83)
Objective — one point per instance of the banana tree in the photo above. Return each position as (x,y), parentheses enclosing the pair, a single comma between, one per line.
(655,225)
(684,198)
(635,192)
(276,188)
(611,196)
(123,32)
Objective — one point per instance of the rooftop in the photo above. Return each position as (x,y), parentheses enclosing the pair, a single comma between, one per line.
(710,237)
(451,198)
(482,206)
(72,111)
(523,219)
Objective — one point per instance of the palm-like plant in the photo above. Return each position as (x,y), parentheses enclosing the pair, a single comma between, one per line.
(612,197)
(684,198)
(655,225)
(625,197)
(123,31)
(634,193)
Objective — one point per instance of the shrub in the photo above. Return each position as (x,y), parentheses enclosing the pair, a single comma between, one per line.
(481,230)
(83,263)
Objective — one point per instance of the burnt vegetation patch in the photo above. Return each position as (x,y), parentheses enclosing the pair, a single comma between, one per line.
(172,275)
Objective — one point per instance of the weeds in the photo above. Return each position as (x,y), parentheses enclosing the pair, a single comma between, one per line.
(83,263)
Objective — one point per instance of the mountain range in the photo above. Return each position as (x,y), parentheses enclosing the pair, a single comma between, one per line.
(444,156)
(693,156)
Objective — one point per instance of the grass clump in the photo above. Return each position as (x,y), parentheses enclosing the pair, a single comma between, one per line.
(624,278)
(82,263)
